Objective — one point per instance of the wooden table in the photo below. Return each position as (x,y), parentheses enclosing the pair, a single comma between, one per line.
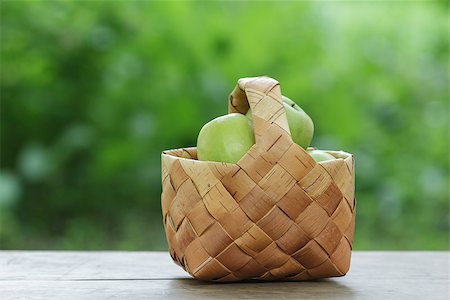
(153,275)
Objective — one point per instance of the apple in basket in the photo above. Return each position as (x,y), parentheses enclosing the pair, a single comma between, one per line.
(320,155)
(227,138)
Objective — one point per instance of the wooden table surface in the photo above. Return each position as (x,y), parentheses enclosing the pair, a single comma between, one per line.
(153,275)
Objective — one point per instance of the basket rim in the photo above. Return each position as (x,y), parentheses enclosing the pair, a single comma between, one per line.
(338,154)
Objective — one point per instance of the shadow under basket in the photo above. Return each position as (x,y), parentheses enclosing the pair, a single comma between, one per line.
(274,215)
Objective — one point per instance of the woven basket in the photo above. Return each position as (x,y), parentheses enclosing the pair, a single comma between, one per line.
(275,215)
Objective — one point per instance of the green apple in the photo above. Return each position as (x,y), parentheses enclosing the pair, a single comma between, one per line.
(320,155)
(300,124)
(225,139)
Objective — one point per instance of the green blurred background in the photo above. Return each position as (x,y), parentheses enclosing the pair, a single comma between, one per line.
(92,92)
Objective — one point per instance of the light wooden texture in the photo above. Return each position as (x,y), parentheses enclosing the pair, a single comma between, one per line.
(275,214)
(153,275)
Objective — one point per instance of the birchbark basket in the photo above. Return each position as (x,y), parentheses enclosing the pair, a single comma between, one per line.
(275,215)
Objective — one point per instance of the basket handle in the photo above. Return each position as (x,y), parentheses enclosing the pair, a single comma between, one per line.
(263,96)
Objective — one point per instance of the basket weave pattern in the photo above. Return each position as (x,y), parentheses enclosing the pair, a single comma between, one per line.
(275,215)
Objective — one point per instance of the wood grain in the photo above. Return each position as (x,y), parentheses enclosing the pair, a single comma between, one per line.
(153,275)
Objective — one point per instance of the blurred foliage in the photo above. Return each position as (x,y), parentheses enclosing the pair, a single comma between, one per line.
(92,93)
